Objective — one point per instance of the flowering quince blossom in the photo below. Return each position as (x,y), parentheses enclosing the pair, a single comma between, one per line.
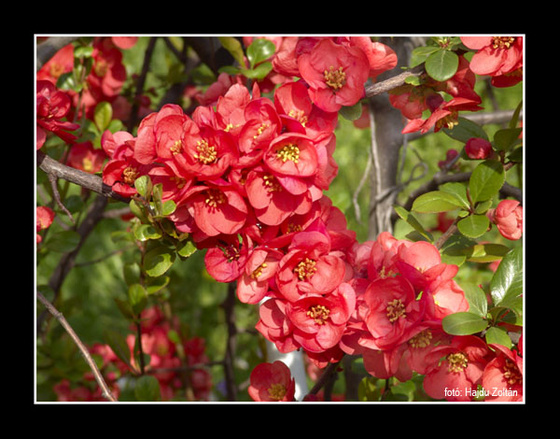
(477,148)
(464,360)
(53,106)
(336,74)
(272,382)
(499,57)
(502,378)
(45,217)
(508,217)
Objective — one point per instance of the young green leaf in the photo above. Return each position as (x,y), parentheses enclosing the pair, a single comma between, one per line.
(473,226)
(463,323)
(260,50)
(158,260)
(486,180)
(507,283)
(442,64)
(436,201)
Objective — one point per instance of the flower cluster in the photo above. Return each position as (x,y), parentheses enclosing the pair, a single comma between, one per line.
(403,291)
(500,58)
(247,178)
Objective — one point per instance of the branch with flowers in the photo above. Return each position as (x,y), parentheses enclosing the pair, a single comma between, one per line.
(240,173)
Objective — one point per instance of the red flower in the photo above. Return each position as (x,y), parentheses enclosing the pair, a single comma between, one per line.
(393,312)
(85,157)
(217,208)
(273,203)
(122,170)
(254,282)
(444,114)
(456,377)
(225,260)
(319,321)
(508,217)
(309,266)
(53,106)
(298,113)
(502,378)
(477,148)
(272,382)
(275,326)
(207,153)
(161,135)
(499,57)
(45,217)
(336,74)
(292,154)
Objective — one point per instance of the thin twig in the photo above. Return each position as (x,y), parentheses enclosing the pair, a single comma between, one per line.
(106,392)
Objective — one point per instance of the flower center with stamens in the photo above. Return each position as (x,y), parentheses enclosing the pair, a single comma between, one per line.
(176,147)
(288,152)
(502,42)
(214,198)
(271,184)
(395,309)
(334,78)
(258,271)
(319,313)
(457,362)
(421,340)
(130,174)
(277,391)
(305,269)
(299,116)
(511,373)
(206,153)
(260,130)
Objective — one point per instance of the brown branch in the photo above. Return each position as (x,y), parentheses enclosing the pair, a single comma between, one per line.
(89,360)
(81,178)
(47,49)
(393,82)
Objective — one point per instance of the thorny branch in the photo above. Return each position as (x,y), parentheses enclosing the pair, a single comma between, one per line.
(89,360)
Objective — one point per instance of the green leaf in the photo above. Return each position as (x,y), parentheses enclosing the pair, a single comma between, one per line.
(507,138)
(497,335)
(143,186)
(102,115)
(486,252)
(158,260)
(233,46)
(405,215)
(146,231)
(486,180)
(463,323)
(260,50)
(459,190)
(259,72)
(147,388)
(119,346)
(168,207)
(352,112)
(507,283)
(137,297)
(436,201)
(63,242)
(442,64)
(186,248)
(478,304)
(421,54)
(465,130)
(473,226)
